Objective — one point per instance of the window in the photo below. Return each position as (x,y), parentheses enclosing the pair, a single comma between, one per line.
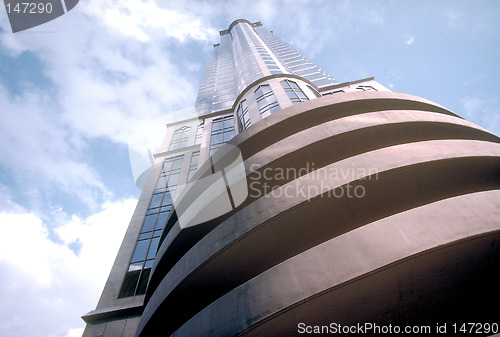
(243,117)
(222,132)
(180,138)
(136,279)
(170,172)
(199,134)
(193,166)
(294,92)
(366,88)
(266,100)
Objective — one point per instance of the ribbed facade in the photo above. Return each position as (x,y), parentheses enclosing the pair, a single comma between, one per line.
(363,206)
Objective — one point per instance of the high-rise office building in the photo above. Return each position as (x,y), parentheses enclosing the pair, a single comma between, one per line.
(295,204)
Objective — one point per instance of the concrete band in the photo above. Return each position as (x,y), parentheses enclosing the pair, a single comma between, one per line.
(355,257)
(302,223)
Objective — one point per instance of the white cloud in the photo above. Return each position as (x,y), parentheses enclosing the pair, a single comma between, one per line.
(26,230)
(40,150)
(409,40)
(104,81)
(75,332)
(139,19)
(48,283)
(269,11)
(108,83)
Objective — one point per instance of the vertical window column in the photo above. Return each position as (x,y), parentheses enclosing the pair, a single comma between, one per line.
(199,134)
(136,279)
(193,166)
(243,116)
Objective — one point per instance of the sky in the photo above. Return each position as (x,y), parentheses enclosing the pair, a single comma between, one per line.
(78,92)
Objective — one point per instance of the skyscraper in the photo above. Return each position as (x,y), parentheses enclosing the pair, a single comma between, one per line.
(356,205)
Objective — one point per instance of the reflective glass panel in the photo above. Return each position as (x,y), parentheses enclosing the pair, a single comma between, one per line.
(140,250)
(149,223)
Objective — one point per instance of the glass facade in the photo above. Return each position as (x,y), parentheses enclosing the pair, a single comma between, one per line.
(217,88)
(247,67)
(293,60)
(136,279)
(246,53)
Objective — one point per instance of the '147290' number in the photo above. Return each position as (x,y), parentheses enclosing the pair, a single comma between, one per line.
(30,8)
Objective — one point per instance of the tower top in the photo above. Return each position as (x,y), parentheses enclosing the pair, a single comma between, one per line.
(235,22)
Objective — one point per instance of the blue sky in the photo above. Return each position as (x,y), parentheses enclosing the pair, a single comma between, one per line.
(76,92)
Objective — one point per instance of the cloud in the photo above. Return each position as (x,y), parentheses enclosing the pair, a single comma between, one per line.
(75,332)
(48,282)
(138,19)
(40,151)
(409,40)
(110,69)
